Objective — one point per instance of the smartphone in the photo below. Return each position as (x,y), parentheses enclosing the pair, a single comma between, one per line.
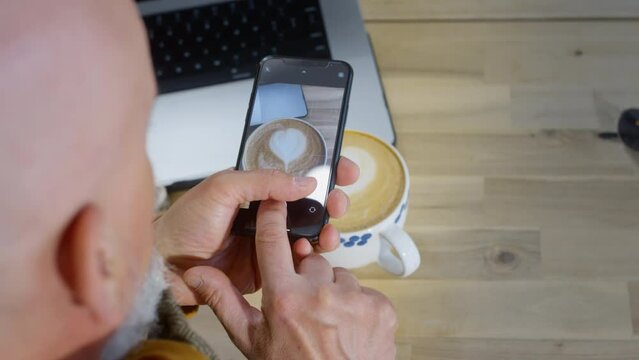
(295,123)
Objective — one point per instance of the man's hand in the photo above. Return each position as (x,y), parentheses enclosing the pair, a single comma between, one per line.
(308,312)
(196,229)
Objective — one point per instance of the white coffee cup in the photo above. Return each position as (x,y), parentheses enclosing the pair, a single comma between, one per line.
(385,242)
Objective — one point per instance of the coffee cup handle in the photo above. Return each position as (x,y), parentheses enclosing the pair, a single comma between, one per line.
(407,261)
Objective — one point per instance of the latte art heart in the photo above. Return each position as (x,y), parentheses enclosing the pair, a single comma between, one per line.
(380,188)
(288,145)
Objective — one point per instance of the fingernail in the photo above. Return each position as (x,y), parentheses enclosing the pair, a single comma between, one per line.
(304,180)
(193,281)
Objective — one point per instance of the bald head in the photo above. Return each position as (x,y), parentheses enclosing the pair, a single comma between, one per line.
(76,187)
(75,74)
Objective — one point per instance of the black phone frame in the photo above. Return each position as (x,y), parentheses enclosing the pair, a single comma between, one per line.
(310,232)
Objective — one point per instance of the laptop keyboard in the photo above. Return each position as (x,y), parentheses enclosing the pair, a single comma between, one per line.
(224,42)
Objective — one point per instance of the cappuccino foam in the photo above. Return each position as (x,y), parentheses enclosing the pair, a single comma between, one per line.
(288,145)
(379,190)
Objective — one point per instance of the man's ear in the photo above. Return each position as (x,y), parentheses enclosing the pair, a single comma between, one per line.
(84,266)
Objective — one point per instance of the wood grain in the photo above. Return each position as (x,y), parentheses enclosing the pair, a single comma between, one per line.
(498,9)
(209,327)
(510,309)
(633,289)
(609,203)
(482,254)
(446,191)
(458,103)
(323,105)
(501,349)
(539,203)
(549,47)
(569,107)
(496,77)
(595,252)
(558,153)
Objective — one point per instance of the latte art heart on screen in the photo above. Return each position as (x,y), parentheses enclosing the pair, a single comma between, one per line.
(288,145)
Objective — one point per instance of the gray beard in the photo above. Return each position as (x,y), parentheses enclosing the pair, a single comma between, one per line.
(142,315)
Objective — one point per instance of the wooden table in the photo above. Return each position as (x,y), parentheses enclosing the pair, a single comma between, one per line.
(526,219)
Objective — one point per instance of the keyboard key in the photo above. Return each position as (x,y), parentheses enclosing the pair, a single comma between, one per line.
(159,20)
(205,52)
(223,42)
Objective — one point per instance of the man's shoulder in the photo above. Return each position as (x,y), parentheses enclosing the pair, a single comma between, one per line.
(155,349)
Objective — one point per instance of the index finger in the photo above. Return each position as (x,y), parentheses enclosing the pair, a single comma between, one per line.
(347,172)
(274,256)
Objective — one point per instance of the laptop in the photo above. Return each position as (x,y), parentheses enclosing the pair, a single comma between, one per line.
(205,55)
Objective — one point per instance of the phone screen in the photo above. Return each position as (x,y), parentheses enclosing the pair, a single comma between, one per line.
(295,125)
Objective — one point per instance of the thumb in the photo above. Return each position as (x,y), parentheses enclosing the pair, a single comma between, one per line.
(233,188)
(237,316)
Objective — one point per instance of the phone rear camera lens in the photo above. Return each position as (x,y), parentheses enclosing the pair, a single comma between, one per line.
(303,71)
